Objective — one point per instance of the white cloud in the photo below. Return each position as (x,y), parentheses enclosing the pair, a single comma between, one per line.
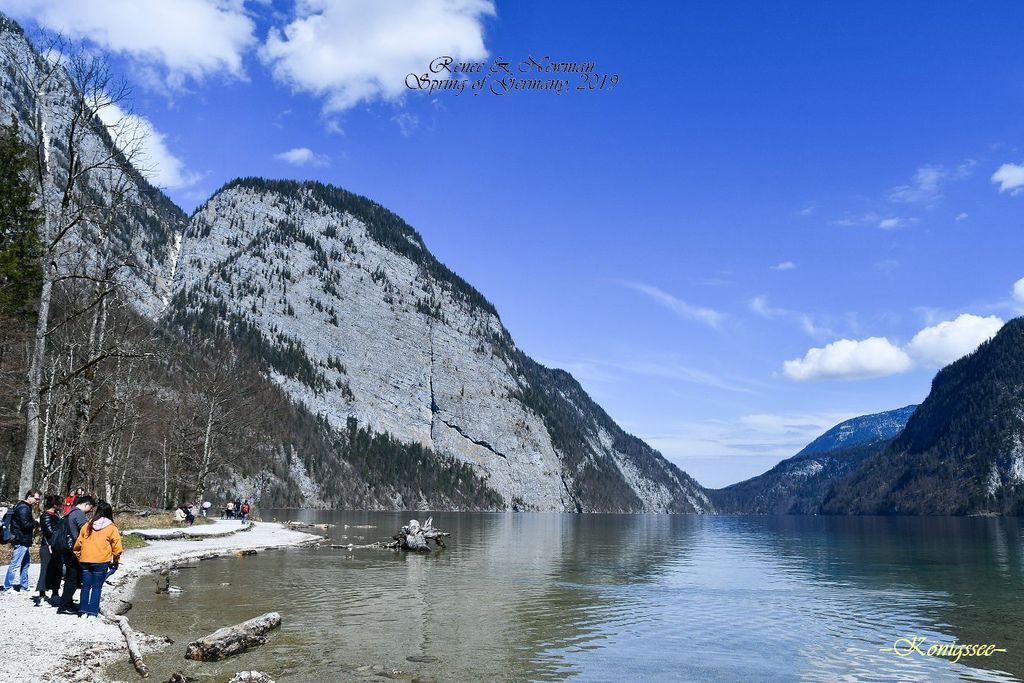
(785,265)
(146,148)
(678,306)
(933,347)
(940,345)
(962,216)
(407,123)
(926,185)
(181,39)
(1010,178)
(779,435)
(759,305)
(352,51)
(850,359)
(890,223)
(1018,292)
(302,156)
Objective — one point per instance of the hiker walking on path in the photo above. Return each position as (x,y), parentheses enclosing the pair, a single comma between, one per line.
(49,562)
(245,512)
(98,550)
(21,525)
(64,539)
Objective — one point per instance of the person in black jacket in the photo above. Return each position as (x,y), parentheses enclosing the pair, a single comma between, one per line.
(22,526)
(65,542)
(49,564)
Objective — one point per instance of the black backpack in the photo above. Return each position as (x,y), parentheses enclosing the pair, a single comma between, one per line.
(61,539)
(6,532)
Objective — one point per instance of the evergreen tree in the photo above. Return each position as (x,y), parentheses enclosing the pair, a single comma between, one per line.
(20,249)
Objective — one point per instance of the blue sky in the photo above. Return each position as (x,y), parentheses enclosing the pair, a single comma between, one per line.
(781,217)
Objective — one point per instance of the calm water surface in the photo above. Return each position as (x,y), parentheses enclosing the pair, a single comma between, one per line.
(552,597)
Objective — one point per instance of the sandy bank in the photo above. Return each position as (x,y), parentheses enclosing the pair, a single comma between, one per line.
(66,648)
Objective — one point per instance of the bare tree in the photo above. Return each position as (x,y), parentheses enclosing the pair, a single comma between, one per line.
(83,175)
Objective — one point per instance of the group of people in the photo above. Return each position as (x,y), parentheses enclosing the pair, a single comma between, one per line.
(79,546)
(236,509)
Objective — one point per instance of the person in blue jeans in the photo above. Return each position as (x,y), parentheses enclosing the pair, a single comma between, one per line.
(98,550)
(22,526)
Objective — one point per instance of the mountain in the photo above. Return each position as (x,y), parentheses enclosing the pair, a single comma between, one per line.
(800,484)
(145,228)
(309,349)
(354,318)
(962,452)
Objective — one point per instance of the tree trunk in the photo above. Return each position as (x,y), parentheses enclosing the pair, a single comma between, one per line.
(233,640)
(35,382)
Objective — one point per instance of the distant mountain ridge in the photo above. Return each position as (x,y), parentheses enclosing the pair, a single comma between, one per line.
(861,431)
(962,452)
(799,485)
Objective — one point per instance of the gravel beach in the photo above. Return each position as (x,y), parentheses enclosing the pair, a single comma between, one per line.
(54,647)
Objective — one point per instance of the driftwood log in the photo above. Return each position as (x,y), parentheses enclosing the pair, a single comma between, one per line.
(414,537)
(130,639)
(233,640)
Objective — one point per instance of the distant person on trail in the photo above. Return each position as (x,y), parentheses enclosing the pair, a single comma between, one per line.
(21,525)
(245,512)
(98,549)
(49,562)
(204,509)
(64,538)
(71,499)
(229,510)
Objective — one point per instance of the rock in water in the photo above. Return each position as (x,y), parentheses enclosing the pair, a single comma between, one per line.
(251,677)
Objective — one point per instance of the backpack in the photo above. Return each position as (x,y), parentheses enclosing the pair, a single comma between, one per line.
(6,533)
(61,539)
(245,509)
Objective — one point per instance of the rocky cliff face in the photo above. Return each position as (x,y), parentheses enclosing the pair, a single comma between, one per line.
(354,318)
(800,484)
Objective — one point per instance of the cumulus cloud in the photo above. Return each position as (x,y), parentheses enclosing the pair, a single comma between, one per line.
(147,149)
(181,39)
(1018,292)
(682,309)
(932,347)
(962,216)
(352,51)
(785,265)
(850,359)
(940,345)
(1010,178)
(302,156)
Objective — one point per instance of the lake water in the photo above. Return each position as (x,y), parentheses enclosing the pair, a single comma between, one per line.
(614,597)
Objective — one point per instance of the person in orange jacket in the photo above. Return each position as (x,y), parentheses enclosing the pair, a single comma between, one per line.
(98,550)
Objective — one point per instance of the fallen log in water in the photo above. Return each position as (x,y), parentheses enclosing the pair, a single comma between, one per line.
(233,640)
(134,652)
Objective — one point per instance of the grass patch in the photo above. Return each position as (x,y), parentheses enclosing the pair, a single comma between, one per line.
(132,541)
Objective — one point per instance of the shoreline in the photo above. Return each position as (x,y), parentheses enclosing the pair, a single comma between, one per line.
(66,648)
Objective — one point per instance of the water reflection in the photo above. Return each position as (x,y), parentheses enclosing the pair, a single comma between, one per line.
(607,597)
